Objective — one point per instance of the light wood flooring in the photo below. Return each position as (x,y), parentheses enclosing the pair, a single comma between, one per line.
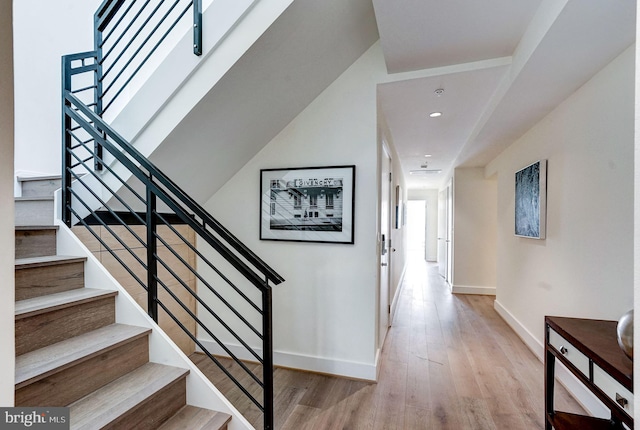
(449,362)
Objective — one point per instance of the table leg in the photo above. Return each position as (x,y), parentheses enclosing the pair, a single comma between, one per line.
(549,381)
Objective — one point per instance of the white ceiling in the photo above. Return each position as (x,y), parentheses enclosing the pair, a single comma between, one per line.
(502,64)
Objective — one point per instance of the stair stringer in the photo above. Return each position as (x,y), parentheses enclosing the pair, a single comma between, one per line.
(200,391)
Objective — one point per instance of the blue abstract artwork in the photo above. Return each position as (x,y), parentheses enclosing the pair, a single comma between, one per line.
(530,201)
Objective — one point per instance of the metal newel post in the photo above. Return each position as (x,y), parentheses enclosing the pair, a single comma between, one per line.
(152,262)
(97,92)
(197,27)
(66,142)
(267,326)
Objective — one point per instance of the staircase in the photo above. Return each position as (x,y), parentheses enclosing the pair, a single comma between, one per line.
(70,351)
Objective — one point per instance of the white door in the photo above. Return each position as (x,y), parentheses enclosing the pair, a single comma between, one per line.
(385,257)
(449,277)
(445,233)
(442,233)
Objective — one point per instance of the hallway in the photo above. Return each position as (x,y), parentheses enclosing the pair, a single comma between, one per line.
(449,362)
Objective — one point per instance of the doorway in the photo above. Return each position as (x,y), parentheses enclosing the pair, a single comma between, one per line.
(445,233)
(417,231)
(385,236)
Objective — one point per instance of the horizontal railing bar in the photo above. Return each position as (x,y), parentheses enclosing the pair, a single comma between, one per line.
(122,181)
(211,311)
(79,56)
(102,242)
(143,243)
(83,69)
(80,144)
(128,217)
(142,63)
(79,90)
(215,243)
(218,272)
(188,202)
(106,12)
(133,74)
(206,329)
(104,204)
(106,72)
(206,306)
(106,36)
(117,237)
(86,159)
(129,164)
(211,357)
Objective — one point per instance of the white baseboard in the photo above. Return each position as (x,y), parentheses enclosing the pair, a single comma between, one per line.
(583,396)
(349,369)
(468,289)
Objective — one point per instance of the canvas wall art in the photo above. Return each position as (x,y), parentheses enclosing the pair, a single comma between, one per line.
(531,200)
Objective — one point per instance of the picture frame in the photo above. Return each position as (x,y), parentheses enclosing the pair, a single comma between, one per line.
(531,201)
(308,204)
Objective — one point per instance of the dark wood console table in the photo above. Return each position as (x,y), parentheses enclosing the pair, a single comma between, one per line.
(589,349)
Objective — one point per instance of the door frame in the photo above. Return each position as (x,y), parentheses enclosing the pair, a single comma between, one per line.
(384,272)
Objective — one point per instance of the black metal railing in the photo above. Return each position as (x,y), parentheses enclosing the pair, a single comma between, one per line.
(165,241)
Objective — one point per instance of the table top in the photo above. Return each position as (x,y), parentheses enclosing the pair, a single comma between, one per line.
(597,339)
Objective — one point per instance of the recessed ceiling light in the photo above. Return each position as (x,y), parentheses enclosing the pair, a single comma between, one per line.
(427,155)
(424,172)
(435,114)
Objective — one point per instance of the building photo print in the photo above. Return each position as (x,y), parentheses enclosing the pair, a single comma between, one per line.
(308,204)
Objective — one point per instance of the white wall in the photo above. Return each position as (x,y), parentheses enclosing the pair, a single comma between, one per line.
(584,268)
(636,218)
(475,228)
(325,313)
(7,241)
(44,31)
(431,200)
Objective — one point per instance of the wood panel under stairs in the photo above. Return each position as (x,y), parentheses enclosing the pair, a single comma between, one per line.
(71,352)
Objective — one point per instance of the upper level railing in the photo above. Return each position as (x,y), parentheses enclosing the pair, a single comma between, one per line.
(105,174)
(128,37)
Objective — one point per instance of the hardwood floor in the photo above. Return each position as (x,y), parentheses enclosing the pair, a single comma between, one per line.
(449,362)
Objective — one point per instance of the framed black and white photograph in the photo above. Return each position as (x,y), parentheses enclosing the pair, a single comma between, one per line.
(308,204)
(531,200)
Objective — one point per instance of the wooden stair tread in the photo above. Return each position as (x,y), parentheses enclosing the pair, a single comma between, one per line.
(39,178)
(36,227)
(38,305)
(108,403)
(33,198)
(194,418)
(51,260)
(38,364)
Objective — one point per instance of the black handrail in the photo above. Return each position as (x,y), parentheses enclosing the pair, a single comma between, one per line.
(94,155)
